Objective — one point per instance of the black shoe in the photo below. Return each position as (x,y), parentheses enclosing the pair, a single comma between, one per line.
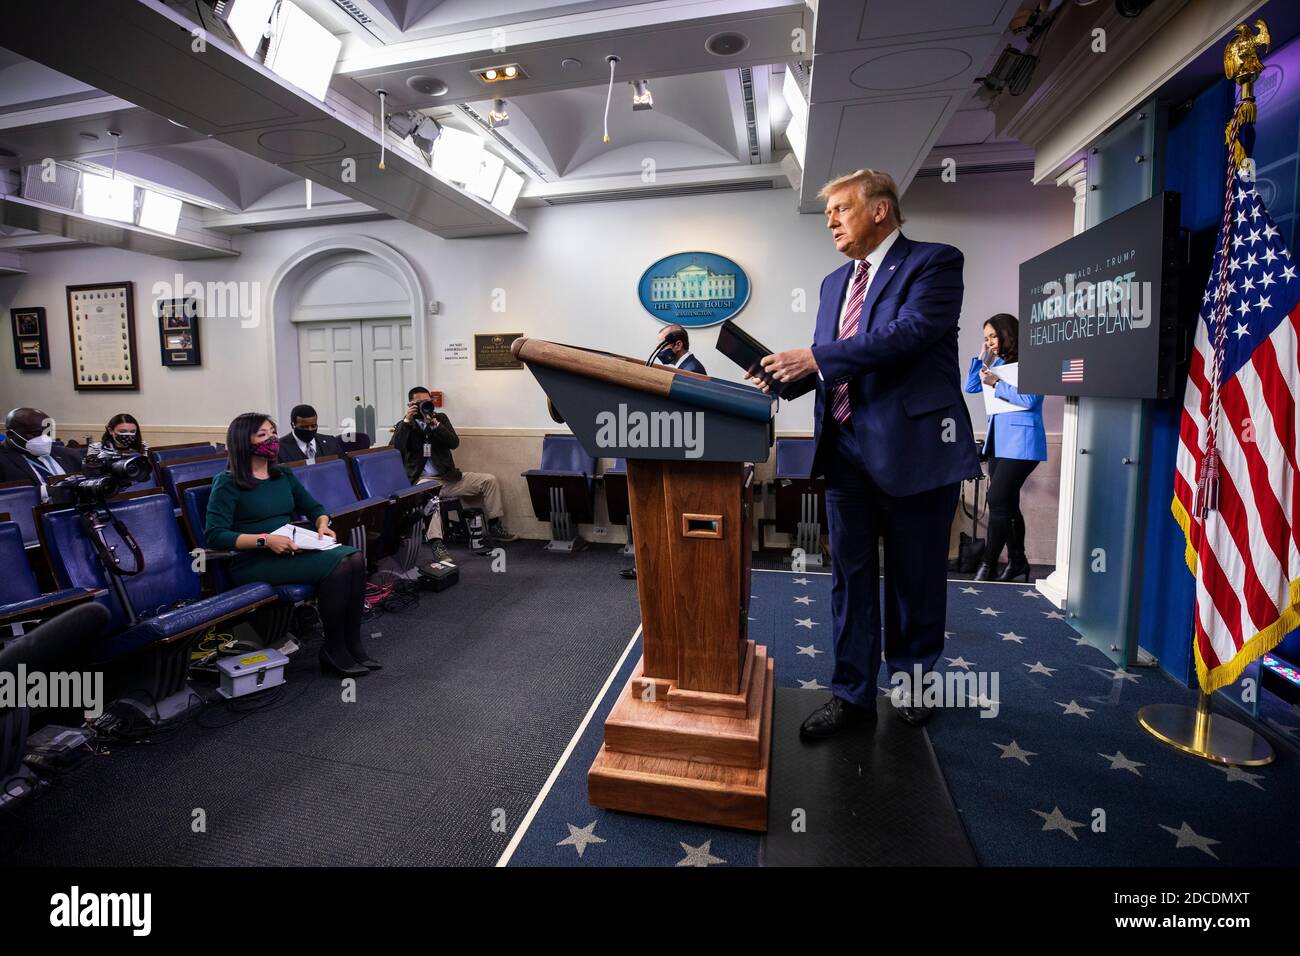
(834,716)
(342,667)
(916,716)
(499,532)
(985,573)
(628,573)
(370,664)
(1015,569)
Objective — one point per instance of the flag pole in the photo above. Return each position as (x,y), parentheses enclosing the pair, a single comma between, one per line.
(1198,730)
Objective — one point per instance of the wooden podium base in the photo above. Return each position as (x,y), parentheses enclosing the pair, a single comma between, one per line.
(687,755)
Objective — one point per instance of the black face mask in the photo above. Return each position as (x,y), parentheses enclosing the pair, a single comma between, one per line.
(667,355)
(305,435)
(129,440)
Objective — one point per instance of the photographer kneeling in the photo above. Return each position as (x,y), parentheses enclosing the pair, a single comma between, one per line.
(425,438)
(254,497)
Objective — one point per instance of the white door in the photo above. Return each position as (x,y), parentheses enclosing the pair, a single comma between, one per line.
(389,356)
(356,374)
(332,370)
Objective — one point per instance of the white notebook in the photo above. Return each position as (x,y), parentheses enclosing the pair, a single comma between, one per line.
(993,405)
(304,539)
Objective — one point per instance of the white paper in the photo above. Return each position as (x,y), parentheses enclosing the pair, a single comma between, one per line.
(1010,374)
(306,540)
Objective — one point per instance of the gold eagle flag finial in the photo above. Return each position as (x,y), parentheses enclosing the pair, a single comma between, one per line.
(1242,65)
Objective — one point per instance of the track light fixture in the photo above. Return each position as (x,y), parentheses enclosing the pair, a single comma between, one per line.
(498,116)
(423,131)
(641,98)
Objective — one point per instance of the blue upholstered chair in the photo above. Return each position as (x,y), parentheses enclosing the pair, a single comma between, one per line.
(800,500)
(194,515)
(354,520)
(21,601)
(166,580)
(379,473)
(174,453)
(563,490)
(17,499)
(190,469)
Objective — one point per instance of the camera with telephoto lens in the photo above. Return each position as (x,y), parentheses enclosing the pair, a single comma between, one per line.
(103,474)
(426,408)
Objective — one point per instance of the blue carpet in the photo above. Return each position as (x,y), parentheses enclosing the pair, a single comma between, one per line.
(1062,775)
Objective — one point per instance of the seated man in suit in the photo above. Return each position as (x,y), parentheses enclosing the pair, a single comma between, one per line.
(29,453)
(426,440)
(304,443)
(675,350)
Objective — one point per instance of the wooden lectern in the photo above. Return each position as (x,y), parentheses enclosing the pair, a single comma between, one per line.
(690,735)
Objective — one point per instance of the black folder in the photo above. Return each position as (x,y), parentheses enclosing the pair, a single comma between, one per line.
(748,352)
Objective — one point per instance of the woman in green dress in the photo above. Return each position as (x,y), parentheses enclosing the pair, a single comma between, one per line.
(254,497)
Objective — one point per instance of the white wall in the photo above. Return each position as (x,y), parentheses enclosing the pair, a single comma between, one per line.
(572,279)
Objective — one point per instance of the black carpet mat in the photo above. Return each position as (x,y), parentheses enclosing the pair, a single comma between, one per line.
(872,797)
(435,763)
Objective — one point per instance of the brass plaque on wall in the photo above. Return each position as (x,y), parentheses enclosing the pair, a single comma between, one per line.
(492,351)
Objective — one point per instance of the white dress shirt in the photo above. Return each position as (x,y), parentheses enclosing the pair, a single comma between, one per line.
(308,448)
(874,258)
(680,359)
(52,469)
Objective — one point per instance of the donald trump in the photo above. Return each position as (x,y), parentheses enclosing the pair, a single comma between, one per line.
(893,440)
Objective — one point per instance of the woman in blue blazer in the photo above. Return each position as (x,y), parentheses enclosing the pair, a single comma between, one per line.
(1016,443)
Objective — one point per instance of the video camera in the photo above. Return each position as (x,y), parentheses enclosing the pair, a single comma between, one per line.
(103,474)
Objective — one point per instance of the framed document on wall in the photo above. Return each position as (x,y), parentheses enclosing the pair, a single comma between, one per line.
(178,330)
(31,340)
(101,325)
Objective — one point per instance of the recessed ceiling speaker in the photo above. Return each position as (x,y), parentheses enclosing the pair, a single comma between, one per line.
(428,85)
(726,44)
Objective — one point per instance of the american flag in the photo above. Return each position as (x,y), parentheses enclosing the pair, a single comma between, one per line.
(1072,370)
(1237,487)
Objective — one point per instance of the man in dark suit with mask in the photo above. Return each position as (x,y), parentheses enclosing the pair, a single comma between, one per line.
(29,453)
(304,442)
(893,439)
(675,350)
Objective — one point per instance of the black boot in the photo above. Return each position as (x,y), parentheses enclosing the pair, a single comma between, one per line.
(1017,565)
(998,535)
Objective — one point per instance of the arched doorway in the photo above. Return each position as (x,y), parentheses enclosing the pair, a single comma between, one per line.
(347,332)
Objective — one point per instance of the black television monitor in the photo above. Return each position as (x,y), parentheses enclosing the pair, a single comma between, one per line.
(1099,312)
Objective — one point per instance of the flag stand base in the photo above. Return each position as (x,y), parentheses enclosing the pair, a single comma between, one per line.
(1212,736)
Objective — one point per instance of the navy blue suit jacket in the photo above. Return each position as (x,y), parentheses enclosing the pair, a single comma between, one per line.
(692,364)
(909,415)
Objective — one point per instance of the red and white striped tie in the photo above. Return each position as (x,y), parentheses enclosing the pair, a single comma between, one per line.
(848,329)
